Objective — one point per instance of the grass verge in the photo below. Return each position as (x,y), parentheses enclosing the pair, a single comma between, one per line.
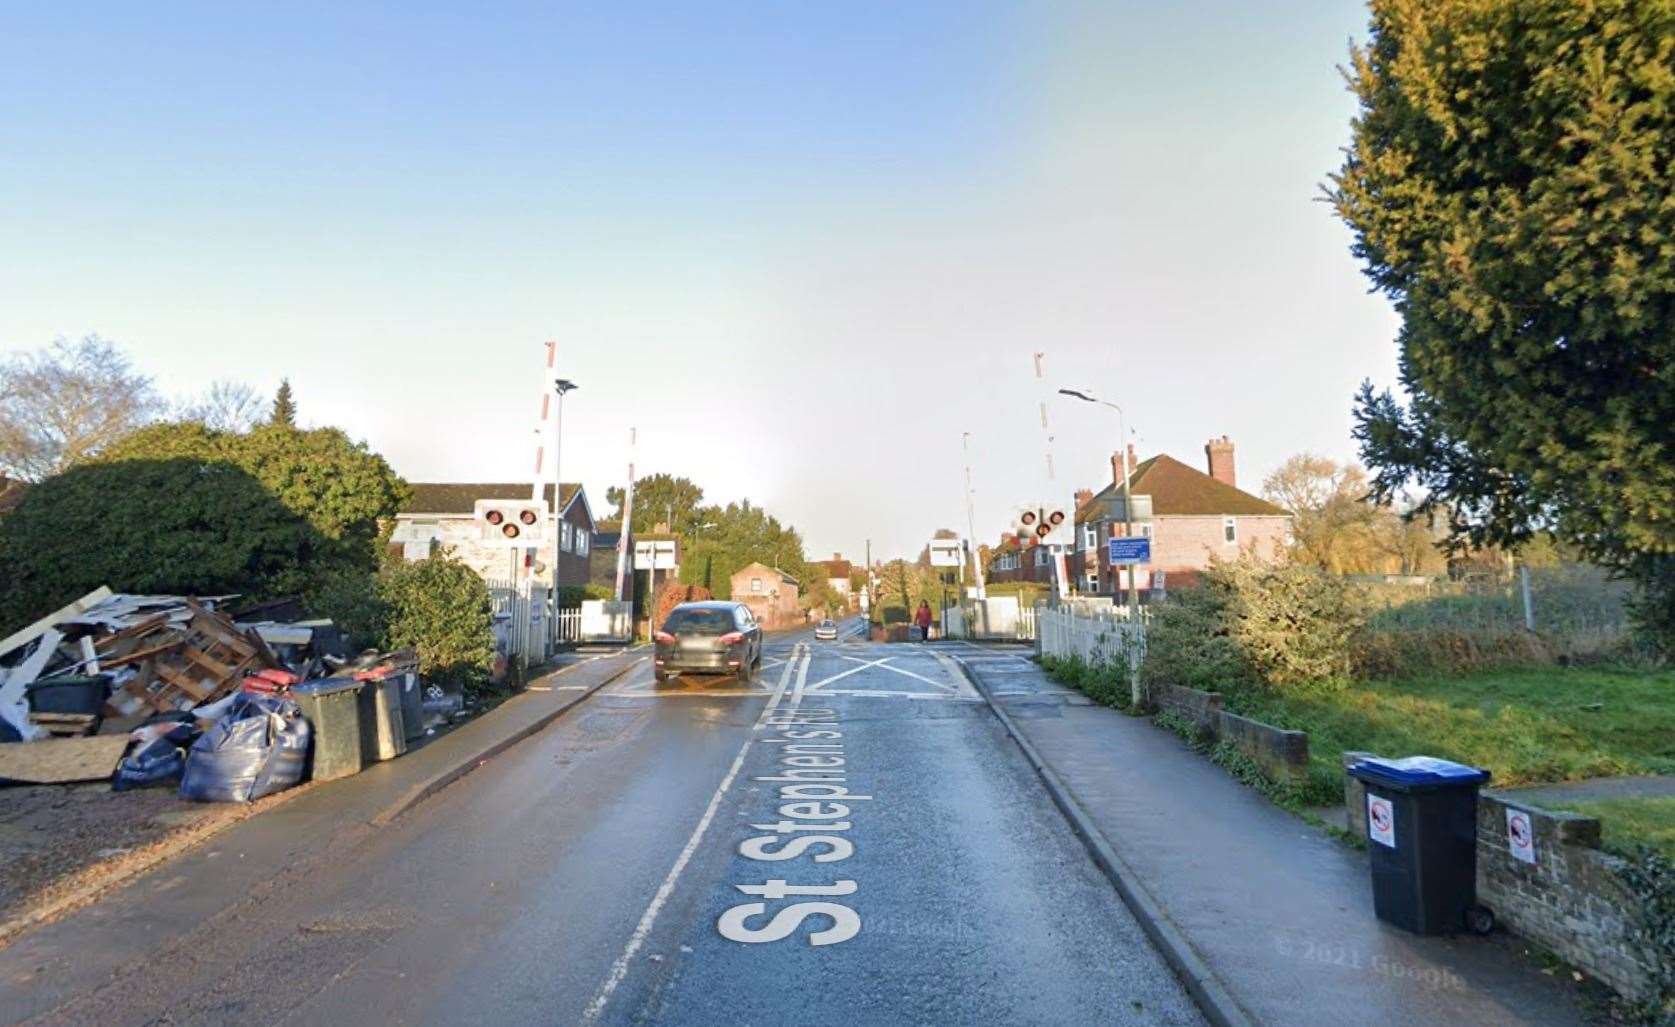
(1628,823)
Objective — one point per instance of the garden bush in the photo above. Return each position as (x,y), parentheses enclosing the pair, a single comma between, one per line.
(440,608)
(1273,626)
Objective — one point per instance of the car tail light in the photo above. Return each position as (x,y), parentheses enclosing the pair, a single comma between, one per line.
(664,636)
(732,638)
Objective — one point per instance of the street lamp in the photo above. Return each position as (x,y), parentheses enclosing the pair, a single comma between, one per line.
(560,386)
(1127,504)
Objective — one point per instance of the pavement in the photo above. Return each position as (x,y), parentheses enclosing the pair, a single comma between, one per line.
(643,859)
(1274,912)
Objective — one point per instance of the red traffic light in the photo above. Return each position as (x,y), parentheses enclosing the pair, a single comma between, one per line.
(494,516)
(509,530)
(528,516)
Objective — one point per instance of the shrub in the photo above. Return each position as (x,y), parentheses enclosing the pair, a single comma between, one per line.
(673,594)
(1275,626)
(440,608)
(572,596)
(355,603)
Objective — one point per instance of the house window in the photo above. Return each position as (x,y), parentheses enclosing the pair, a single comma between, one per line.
(1230,530)
(1090,536)
(1145,531)
(582,542)
(564,535)
(756,586)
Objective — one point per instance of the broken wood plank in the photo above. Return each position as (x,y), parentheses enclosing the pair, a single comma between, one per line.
(19,638)
(61,760)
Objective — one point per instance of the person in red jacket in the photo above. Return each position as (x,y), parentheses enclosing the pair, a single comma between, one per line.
(922,617)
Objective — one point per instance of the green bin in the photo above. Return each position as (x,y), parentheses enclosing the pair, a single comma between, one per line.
(342,713)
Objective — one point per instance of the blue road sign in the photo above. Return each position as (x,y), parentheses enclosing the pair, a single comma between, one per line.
(1131,550)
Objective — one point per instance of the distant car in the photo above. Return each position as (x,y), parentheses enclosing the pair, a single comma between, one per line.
(826,631)
(709,637)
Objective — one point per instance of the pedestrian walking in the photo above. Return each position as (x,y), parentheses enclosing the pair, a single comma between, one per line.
(922,617)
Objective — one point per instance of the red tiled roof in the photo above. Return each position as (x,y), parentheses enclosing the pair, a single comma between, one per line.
(1179,490)
(838,568)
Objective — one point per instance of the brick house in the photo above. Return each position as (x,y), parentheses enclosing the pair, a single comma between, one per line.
(441,514)
(771,594)
(1011,560)
(1194,516)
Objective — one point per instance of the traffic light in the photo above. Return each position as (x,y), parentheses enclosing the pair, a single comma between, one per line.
(511,523)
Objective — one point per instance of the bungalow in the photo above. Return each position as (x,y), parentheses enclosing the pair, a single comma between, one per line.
(442,515)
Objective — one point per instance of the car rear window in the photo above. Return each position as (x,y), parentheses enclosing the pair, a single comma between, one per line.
(699,622)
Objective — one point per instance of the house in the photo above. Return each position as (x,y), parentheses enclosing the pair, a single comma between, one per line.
(838,574)
(1191,516)
(442,515)
(771,594)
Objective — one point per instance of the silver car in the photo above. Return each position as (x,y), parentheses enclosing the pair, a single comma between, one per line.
(826,631)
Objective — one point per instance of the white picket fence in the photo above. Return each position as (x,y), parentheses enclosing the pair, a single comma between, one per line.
(1096,636)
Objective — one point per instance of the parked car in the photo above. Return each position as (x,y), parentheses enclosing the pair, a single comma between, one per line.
(709,637)
(826,631)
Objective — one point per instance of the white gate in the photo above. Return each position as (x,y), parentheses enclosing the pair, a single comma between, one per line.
(1093,635)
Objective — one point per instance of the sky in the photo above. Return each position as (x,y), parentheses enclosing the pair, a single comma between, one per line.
(803,249)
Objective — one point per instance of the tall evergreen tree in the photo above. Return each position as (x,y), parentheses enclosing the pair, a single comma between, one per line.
(1507,186)
(284,406)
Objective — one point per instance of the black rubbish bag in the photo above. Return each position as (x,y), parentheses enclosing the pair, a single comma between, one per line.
(159,761)
(258,747)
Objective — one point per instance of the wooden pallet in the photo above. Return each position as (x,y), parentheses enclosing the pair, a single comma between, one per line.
(201,661)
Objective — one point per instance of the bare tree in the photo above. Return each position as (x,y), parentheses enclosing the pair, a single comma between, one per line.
(62,404)
(226,406)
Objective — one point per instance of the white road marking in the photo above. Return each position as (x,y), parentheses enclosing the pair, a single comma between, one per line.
(619,969)
(844,674)
(802,679)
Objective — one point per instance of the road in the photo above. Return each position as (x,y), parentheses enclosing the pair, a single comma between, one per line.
(620,868)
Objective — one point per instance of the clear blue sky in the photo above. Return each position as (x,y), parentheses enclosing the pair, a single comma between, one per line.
(801,246)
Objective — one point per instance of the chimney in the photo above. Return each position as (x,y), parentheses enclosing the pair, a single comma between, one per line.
(1082,497)
(1219,453)
(1116,464)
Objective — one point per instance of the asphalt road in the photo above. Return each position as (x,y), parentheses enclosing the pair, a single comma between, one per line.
(692,855)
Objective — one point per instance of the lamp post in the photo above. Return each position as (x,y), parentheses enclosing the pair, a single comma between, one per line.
(560,386)
(1127,503)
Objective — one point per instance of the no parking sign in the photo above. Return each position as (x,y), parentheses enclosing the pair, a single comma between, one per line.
(1381,820)
(1520,835)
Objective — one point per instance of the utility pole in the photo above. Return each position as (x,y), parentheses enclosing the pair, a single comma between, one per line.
(971,521)
(1127,499)
(868,610)
(623,537)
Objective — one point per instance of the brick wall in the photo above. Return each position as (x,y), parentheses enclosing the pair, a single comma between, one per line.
(1570,900)
(1182,543)
(1283,755)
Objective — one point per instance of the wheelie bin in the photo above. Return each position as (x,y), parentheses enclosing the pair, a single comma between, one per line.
(1422,842)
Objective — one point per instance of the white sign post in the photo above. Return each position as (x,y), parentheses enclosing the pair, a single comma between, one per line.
(1520,835)
(1381,820)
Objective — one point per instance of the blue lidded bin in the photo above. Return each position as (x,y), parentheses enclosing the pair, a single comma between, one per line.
(1422,842)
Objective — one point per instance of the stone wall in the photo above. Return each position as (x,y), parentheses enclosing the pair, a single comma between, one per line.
(1283,755)
(1570,899)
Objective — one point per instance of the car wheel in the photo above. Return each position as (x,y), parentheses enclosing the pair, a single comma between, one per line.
(744,673)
